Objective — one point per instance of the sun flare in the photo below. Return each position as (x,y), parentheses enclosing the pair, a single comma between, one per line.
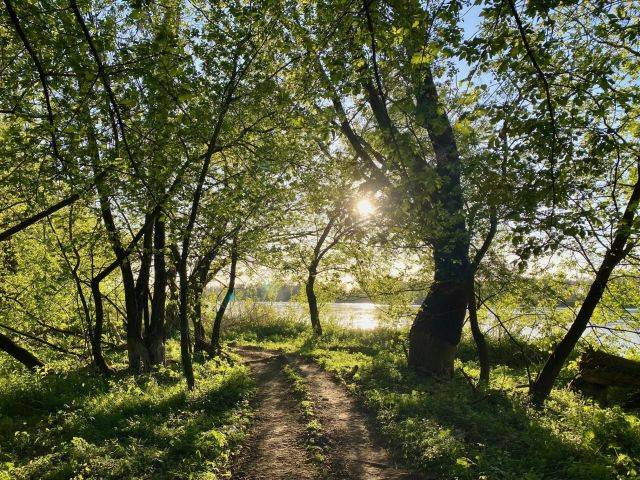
(365,207)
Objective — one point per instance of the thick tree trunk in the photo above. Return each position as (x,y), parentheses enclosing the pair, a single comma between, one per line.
(217,323)
(312,300)
(156,333)
(136,350)
(21,354)
(437,328)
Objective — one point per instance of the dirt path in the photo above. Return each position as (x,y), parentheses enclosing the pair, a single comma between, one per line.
(355,452)
(276,445)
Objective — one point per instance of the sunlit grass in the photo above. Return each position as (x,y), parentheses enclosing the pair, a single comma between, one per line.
(79,425)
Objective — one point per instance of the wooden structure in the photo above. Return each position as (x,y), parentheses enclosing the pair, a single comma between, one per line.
(599,370)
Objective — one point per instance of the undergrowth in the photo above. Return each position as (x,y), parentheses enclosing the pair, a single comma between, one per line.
(76,424)
(448,430)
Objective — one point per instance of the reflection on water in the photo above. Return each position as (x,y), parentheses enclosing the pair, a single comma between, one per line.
(366,316)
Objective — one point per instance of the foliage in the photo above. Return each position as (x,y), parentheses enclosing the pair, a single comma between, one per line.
(144,144)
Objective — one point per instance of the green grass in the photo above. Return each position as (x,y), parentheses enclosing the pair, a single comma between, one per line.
(76,424)
(448,431)
(315,440)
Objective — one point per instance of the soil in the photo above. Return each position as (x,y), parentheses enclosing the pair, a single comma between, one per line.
(275,448)
(276,445)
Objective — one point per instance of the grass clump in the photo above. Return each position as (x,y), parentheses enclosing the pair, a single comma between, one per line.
(315,437)
(79,425)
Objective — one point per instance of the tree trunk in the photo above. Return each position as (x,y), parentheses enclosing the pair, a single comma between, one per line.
(200,342)
(136,349)
(21,354)
(156,333)
(437,328)
(95,336)
(172,315)
(201,276)
(312,300)
(217,324)
(185,342)
(541,388)
(142,282)
(478,337)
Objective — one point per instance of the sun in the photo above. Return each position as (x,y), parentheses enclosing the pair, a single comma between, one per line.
(365,207)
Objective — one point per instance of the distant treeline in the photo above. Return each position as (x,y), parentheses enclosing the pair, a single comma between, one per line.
(291,292)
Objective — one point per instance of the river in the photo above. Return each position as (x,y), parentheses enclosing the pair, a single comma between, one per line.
(368,316)
(365,316)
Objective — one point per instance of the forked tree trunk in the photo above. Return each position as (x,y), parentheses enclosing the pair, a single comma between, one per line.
(437,328)
(21,354)
(202,274)
(136,350)
(155,339)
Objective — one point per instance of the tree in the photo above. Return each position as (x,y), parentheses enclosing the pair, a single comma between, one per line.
(323,216)
(575,105)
